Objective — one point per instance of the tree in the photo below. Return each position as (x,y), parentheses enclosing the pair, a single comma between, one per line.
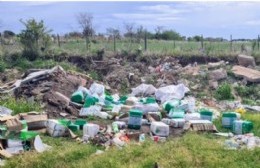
(8,34)
(112,32)
(158,32)
(85,20)
(140,32)
(170,35)
(34,39)
(129,27)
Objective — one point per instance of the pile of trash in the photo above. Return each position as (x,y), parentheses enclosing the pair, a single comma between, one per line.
(51,88)
(148,112)
(21,133)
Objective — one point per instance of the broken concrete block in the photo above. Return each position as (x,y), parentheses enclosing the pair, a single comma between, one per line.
(246,60)
(213,84)
(212,65)
(218,74)
(250,75)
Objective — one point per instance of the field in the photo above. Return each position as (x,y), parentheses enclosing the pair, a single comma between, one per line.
(155,47)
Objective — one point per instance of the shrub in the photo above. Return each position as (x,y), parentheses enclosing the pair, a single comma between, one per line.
(34,39)
(224,92)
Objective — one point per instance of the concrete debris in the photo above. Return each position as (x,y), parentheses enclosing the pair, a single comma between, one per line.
(218,74)
(250,75)
(245,60)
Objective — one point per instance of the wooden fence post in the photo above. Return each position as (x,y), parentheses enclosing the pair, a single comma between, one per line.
(114,43)
(174,44)
(58,37)
(202,44)
(258,42)
(231,47)
(145,41)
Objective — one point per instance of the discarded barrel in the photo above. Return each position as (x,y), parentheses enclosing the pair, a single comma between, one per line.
(228,118)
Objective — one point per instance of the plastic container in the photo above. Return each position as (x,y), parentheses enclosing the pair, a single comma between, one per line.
(176,113)
(55,129)
(148,100)
(159,129)
(242,127)
(206,114)
(73,127)
(90,130)
(77,97)
(64,122)
(176,123)
(120,124)
(80,123)
(228,118)
(115,127)
(135,119)
(90,101)
(167,106)
(27,135)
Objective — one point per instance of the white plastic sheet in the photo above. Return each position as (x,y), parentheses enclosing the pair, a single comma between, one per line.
(98,89)
(145,108)
(171,92)
(144,90)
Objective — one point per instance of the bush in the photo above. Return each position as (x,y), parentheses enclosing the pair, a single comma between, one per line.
(34,39)
(224,92)
(2,66)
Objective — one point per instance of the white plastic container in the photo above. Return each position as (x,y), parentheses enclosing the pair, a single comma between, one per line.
(55,129)
(176,123)
(120,124)
(159,129)
(90,130)
(192,116)
(15,150)
(14,143)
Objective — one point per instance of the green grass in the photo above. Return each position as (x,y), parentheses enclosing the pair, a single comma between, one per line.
(19,105)
(190,150)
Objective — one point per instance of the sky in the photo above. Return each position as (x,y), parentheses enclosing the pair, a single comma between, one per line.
(211,19)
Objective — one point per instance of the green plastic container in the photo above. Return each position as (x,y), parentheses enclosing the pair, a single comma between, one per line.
(206,114)
(176,113)
(135,119)
(77,97)
(242,127)
(109,98)
(28,135)
(80,123)
(228,118)
(24,125)
(73,127)
(90,101)
(149,100)
(167,106)
(123,99)
(64,122)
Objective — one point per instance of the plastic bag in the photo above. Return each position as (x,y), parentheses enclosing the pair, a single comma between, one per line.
(171,92)
(145,108)
(98,89)
(90,111)
(144,90)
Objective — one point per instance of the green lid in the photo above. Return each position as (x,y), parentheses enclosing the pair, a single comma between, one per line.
(135,112)
(77,97)
(73,127)
(64,122)
(229,114)
(167,106)
(206,112)
(90,101)
(27,135)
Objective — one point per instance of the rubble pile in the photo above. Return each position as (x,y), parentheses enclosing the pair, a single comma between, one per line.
(160,111)
(49,87)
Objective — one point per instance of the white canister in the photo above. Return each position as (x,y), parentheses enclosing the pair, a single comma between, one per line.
(90,130)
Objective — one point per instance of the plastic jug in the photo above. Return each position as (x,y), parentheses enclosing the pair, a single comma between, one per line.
(159,129)
(176,122)
(242,127)
(206,114)
(77,97)
(176,113)
(90,130)
(135,119)
(167,106)
(228,118)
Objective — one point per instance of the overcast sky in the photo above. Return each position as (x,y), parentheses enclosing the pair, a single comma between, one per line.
(216,19)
